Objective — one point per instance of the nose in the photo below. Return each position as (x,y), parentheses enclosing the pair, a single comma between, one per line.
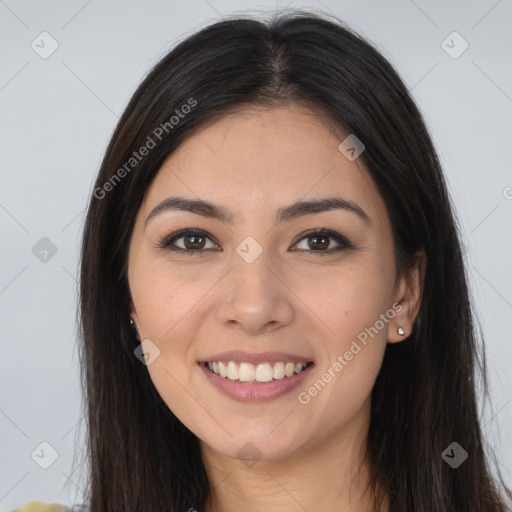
(255,298)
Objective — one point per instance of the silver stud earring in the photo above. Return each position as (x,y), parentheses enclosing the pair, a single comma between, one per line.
(134,328)
(401,331)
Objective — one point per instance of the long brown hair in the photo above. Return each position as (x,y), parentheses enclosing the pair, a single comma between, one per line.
(140,456)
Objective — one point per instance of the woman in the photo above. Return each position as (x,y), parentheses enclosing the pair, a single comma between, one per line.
(274,305)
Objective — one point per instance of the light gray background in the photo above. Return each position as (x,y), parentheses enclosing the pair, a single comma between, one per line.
(57,115)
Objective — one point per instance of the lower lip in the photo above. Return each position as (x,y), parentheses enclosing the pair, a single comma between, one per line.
(256,391)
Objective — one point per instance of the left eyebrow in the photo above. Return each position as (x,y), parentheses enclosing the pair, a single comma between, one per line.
(301,208)
(283,214)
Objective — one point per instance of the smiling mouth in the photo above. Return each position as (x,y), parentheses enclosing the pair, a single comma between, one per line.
(256,373)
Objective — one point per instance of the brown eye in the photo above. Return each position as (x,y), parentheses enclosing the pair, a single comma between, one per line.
(194,242)
(189,241)
(323,242)
(318,242)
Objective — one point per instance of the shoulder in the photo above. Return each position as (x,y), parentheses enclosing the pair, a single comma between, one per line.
(38,506)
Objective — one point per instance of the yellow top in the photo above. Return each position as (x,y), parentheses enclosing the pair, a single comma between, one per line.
(38,506)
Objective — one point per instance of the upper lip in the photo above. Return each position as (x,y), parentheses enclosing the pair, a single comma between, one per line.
(239,356)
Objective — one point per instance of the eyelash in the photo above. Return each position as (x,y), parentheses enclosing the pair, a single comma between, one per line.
(166,243)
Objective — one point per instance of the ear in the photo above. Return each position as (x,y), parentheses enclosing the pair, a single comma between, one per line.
(133,313)
(409,291)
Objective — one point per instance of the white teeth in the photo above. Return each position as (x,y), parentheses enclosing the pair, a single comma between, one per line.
(278,371)
(264,372)
(223,371)
(232,370)
(247,372)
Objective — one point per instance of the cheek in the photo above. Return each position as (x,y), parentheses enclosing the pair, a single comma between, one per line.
(170,305)
(174,385)
(165,298)
(354,304)
(362,325)
(349,298)
(167,310)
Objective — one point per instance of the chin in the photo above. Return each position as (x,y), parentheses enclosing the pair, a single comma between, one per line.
(254,448)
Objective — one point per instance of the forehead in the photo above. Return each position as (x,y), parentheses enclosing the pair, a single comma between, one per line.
(260,159)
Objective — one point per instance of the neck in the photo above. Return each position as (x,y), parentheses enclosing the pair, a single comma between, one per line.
(330,474)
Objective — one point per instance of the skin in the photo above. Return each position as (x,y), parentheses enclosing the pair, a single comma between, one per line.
(190,306)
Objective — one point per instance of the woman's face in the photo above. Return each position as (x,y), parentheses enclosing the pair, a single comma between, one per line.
(258,284)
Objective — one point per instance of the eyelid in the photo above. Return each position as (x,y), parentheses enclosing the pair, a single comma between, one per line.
(167,242)
(342,241)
